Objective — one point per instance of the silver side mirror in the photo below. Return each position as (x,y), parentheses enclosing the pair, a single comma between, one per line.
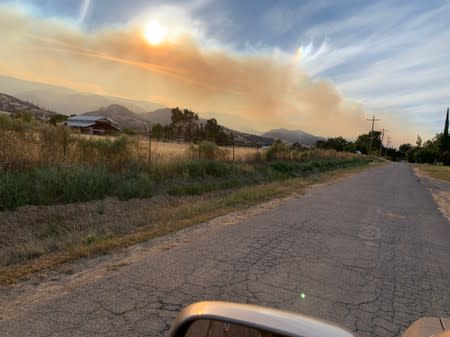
(223,319)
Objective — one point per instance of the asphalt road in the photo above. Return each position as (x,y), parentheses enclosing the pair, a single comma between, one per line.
(370,252)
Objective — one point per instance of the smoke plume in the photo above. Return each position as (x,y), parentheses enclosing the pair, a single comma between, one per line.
(256,91)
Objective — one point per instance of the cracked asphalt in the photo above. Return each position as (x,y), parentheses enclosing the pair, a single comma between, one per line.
(371,253)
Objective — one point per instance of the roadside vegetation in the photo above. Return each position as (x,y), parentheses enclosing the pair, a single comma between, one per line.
(64,196)
(435,171)
(432,151)
(46,165)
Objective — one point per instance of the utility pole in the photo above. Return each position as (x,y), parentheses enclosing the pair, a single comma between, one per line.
(373,120)
(382,138)
(388,144)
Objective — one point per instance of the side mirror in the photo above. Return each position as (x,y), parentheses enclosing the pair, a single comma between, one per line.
(223,319)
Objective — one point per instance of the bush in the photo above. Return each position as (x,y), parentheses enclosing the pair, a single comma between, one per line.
(426,156)
(129,131)
(278,150)
(134,186)
(411,156)
(207,150)
(445,158)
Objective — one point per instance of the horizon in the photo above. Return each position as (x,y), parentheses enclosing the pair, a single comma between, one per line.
(322,68)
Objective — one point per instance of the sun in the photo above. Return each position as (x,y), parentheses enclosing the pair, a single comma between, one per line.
(154,32)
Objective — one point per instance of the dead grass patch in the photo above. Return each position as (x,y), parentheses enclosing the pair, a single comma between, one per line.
(435,171)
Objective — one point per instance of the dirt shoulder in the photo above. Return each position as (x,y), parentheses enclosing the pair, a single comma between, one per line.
(440,190)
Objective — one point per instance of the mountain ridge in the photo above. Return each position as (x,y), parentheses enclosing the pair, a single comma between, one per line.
(14,105)
(65,100)
(293,136)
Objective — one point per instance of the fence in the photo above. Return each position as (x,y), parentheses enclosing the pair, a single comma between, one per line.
(25,147)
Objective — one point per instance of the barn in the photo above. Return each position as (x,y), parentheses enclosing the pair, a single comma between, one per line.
(93,124)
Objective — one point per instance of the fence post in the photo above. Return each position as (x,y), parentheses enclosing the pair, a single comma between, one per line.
(233,150)
(149,147)
(64,141)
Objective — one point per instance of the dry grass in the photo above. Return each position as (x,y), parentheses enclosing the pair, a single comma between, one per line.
(42,145)
(435,171)
(168,151)
(49,236)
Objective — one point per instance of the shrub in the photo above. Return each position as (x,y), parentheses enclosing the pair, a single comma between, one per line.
(129,131)
(278,150)
(426,156)
(207,150)
(411,156)
(445,158)
(135,186)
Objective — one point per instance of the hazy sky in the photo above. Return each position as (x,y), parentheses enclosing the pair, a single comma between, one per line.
(319,65)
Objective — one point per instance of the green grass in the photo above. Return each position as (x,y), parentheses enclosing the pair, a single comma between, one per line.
(78,183)
(56,185)
(435,171)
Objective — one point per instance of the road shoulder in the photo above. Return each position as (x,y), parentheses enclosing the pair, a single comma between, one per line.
(439,189)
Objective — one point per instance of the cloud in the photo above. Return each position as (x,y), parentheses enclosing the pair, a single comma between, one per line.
(269,91)
(392,58)
(84,7)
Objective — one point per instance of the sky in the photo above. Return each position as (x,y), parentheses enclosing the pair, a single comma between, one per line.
(322,66)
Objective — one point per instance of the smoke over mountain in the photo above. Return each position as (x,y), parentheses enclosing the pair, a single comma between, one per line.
(268,90)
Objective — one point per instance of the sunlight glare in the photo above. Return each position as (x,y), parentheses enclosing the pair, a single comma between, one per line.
(155,33)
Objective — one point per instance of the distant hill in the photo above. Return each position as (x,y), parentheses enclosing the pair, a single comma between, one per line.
(13,105)
(122,116)
(65,100)
(161,116)
(293,136)
(250,139)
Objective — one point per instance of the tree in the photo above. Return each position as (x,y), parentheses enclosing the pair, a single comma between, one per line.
(445,142)
(405,148)
(184,122)
(168,132)
(223,138)
(393,154)
(362,142)
(350,147)
(177,121)
(411,155)
(321,144)
(337,143)
(212,129)
(426,155)
(158,131)
(419,141)
(190,122)
(58,118)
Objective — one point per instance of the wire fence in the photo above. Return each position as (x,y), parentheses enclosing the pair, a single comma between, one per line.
(22,148)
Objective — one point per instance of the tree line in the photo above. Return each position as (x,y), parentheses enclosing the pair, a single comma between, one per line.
(365,143)
(185,124)
(431,151)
